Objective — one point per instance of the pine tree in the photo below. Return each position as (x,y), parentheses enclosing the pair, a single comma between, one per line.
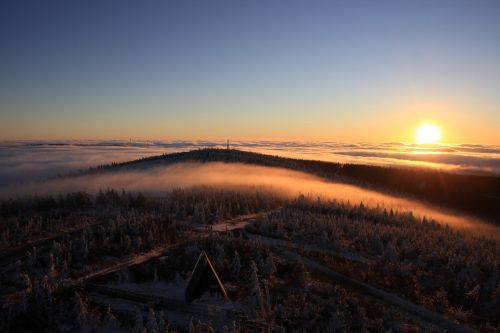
(268,296)
(269,267)
(390,253)
(127,244)
(139,322)
(256,298)
(23,303)
(151,323)
(236,266)
(35,257)
(27,282)
(64,269)
(85,249)
(150,240)
(162,324)
(192,328)
(123,275)
(52,264)
(4,241)
(302,274)
(81,312)
(110,321)
(220,255)
(29,261)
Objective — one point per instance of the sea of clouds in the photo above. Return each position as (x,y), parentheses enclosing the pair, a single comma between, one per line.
(25,161)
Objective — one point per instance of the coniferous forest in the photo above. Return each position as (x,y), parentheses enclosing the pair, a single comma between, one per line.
(121,261)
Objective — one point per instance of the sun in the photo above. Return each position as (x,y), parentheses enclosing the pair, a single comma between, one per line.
(428,133)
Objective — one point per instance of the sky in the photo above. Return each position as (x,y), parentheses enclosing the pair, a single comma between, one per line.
(351,71)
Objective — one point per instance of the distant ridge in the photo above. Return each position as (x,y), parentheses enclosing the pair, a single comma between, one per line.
(473,194)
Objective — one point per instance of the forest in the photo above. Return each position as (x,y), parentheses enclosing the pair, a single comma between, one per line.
(117,261)
(123,261)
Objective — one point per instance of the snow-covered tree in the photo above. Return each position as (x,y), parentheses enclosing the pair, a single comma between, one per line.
(256,298)
(162,324)
(269,267)
(80,312)
(192,328)
(151,323)
(302,274)
(220,255)
(268,296)
(110,323)
(236,266)
(138,321)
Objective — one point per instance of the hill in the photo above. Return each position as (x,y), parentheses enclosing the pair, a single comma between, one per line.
(478,195)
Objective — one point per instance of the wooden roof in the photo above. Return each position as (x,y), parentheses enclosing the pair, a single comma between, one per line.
(203,278)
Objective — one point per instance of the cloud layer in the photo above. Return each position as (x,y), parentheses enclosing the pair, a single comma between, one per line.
(34,160)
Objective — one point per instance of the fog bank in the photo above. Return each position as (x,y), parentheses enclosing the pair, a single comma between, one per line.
(157,181)
(22,161)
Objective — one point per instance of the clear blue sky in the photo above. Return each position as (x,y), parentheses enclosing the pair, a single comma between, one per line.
(329,70)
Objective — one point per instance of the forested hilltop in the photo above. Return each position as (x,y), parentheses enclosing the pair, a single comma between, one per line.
(471,194)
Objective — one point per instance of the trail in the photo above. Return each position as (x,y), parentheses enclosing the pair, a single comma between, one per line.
(351,256)
(130,261)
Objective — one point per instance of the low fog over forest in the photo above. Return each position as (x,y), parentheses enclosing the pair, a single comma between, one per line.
(159,180)
(295,245)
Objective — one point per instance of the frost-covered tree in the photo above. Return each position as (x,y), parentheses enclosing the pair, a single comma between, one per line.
(110,323)
(28,286)
(256,299)
(155,274)
(29,261)
(127,244)
(138,321)
(52,264)
(192,328)
(80,312)
(151,323)
(162,324)
(302,274)
(269,267)
(268,296)
(236,266)
(220,255)
(390,253)
(123,275)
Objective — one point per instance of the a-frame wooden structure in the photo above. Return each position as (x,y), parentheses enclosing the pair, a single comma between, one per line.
(203,278)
